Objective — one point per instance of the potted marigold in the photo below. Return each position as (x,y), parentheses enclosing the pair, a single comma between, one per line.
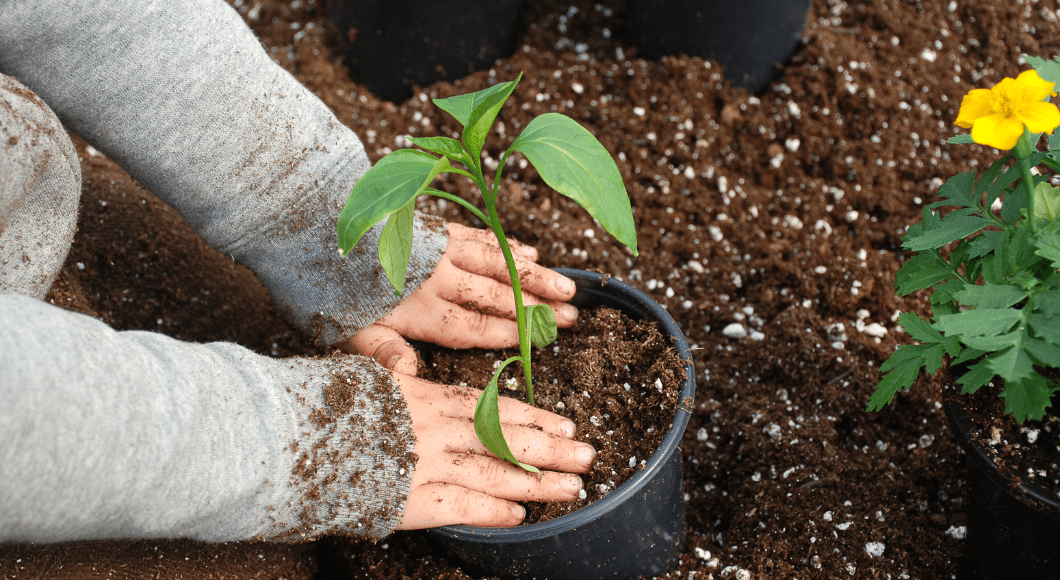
(989,251)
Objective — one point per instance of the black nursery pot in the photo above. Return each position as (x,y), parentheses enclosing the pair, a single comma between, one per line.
(392,45)
(1013,526)
(752,39)
(636,530)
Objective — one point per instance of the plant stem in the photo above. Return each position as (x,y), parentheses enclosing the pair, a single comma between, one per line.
(459,201)
(1023,150)
(520,311)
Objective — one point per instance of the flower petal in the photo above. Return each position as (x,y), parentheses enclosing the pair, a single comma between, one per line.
(1039,117)
(1030,87)
(997,131)
(977,104)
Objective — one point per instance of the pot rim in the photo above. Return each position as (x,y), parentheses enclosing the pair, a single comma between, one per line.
(594,281)
(963,427)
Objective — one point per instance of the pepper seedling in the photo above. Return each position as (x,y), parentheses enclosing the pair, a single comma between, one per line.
(566,156)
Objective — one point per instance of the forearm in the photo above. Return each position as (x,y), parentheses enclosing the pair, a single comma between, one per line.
(181,94)
(107,434)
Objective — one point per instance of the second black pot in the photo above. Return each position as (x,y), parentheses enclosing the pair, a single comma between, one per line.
(752,39)
(1013,528)
(636,530)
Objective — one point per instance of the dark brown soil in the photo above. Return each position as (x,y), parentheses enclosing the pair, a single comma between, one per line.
(618,380)
(782,213)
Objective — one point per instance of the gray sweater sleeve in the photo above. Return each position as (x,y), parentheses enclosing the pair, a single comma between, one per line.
(181,94)
(137,435)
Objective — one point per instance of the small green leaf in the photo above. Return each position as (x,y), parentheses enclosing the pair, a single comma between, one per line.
(488,422)
(942,301)
(956,225)
(477,111)
(1012,364)
(395,245)
(1027,398)
(901,369)
(977,376)
(1048,303)
(541,322)
(1045,353)
(960,140)
(1049,70)
(918,328)
(1048,245)
(990,295)
(993,343)
(1046,202)
(921,271)
(384,189)
(571,161)
(978,322)
(446,146)
(966,355)
(1015,201)
(960,189)
(983,244)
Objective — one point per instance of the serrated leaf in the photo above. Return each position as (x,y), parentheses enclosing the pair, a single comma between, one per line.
(570,160)
(1046,202)
(978,322)
(446,146)
(955,225)
(918,328)
(1013,363)
(960,189)
(1015,201)
(966,355)
(960,140)
(1045,327)
(488,422)
(993,343)
(901,369)
(983,244)
(990,295)
(384,189)
(942,296)
(1048,246)
(395,245)
(1044,352)
(977,376)
(1027,398)
(477,111)
(1048,303)
(921,271)
(541,323)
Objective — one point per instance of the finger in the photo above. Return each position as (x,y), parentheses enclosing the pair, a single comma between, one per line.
(460,232)
(384,345)
(458,327)
(502,479)
(496,298)
(487,260)
(459,403)
(529,446)
(439,504)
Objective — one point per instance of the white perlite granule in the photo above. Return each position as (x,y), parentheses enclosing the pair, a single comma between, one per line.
(875,549)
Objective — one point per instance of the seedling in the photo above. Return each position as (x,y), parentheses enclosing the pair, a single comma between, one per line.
(567,157)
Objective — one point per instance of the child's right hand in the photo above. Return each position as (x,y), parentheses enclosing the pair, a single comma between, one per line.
(456,481)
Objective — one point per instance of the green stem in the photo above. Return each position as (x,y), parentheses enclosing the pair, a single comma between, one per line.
(520,311)
(460,201)
(1023,150)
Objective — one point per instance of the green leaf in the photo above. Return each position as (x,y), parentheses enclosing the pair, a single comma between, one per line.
(395,245)
(450,148)
(1045,326)
(960,140)
(1046,202)
(384,189)
(983,244)
(1027,397)
(960,189)
(541,322)
(901,369)
(942,301)
(476,112)
(966,355)
(918,328)
(993,343)
(1044,352)
(574,163)
(1015,201)
(1048,245)
(488,422)
(977,376)
(1049,70)
(990,295)
(956,225)
(978,322)
(1012,364)
(921,271)
(1048,303)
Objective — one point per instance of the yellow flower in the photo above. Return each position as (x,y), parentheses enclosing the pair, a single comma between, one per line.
(997,115)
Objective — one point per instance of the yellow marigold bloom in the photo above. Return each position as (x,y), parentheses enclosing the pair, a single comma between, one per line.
(997,115)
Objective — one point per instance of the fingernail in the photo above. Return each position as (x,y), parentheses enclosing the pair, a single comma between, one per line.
(568,312)
(564,285)
(572,483)
(585,455)
(567,428)
(519,511)
(392,361)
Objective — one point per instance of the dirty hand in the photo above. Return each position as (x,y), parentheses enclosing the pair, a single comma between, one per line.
(466,303)
(456,481)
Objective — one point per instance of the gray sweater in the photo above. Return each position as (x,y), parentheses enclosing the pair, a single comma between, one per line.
(107,434)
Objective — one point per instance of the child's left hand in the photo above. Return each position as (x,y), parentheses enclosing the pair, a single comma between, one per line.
(466,303)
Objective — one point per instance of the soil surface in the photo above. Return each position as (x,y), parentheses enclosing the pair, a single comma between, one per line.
(769,226)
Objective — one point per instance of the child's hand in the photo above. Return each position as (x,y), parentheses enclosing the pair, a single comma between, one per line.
(467,302)
(456,481)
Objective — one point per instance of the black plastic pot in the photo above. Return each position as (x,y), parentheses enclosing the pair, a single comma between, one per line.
(392,45)
(636,530)
(752,39)
(1013,528)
